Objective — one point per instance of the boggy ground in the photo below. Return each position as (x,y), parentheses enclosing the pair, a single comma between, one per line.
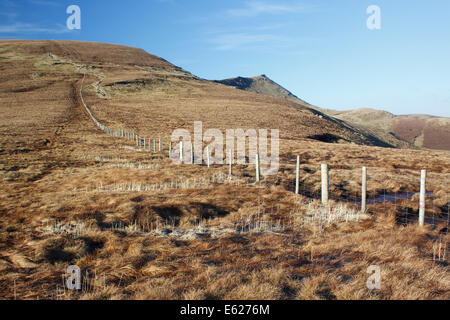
(141,227)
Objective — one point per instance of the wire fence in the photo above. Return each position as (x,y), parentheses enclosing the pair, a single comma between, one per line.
(397,193)
(386,191)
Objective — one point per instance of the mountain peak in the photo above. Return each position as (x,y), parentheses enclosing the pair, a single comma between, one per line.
(262,84)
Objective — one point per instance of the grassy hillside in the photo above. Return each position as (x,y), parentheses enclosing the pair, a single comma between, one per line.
(422,131)
(141,227)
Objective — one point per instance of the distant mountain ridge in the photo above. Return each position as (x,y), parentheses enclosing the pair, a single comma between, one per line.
(404,131)
(423,131)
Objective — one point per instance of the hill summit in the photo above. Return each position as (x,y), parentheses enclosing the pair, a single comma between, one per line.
(263,85)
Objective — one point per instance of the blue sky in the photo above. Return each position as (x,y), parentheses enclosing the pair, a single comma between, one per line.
(322,51)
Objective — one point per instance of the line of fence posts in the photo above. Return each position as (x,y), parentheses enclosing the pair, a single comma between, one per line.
(325,189)
(324,171)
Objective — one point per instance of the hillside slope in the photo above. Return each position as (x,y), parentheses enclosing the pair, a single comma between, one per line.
(126,87)
(405,131)
(422,131)
(140,226)
(265,86)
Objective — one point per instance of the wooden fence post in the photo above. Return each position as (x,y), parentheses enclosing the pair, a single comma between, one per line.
(154,145)
(159,147)
(423,176)
(181,151)
(364,190)
(230,169)
(192,153)
(325,183)
(170,148)
(297,175)
(257,168)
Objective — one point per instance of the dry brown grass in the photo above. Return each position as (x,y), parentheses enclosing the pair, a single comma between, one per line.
(194,234)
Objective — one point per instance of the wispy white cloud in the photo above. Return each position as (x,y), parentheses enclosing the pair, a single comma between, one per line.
(232,41)
(255,8)
(13,26)
(20,27)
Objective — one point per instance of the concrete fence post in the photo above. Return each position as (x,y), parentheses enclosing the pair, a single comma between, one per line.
(297,175)
(423,176)
(364,190)
(257,168)
(325,183)
(192,153)
(170,148)
(207,157)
